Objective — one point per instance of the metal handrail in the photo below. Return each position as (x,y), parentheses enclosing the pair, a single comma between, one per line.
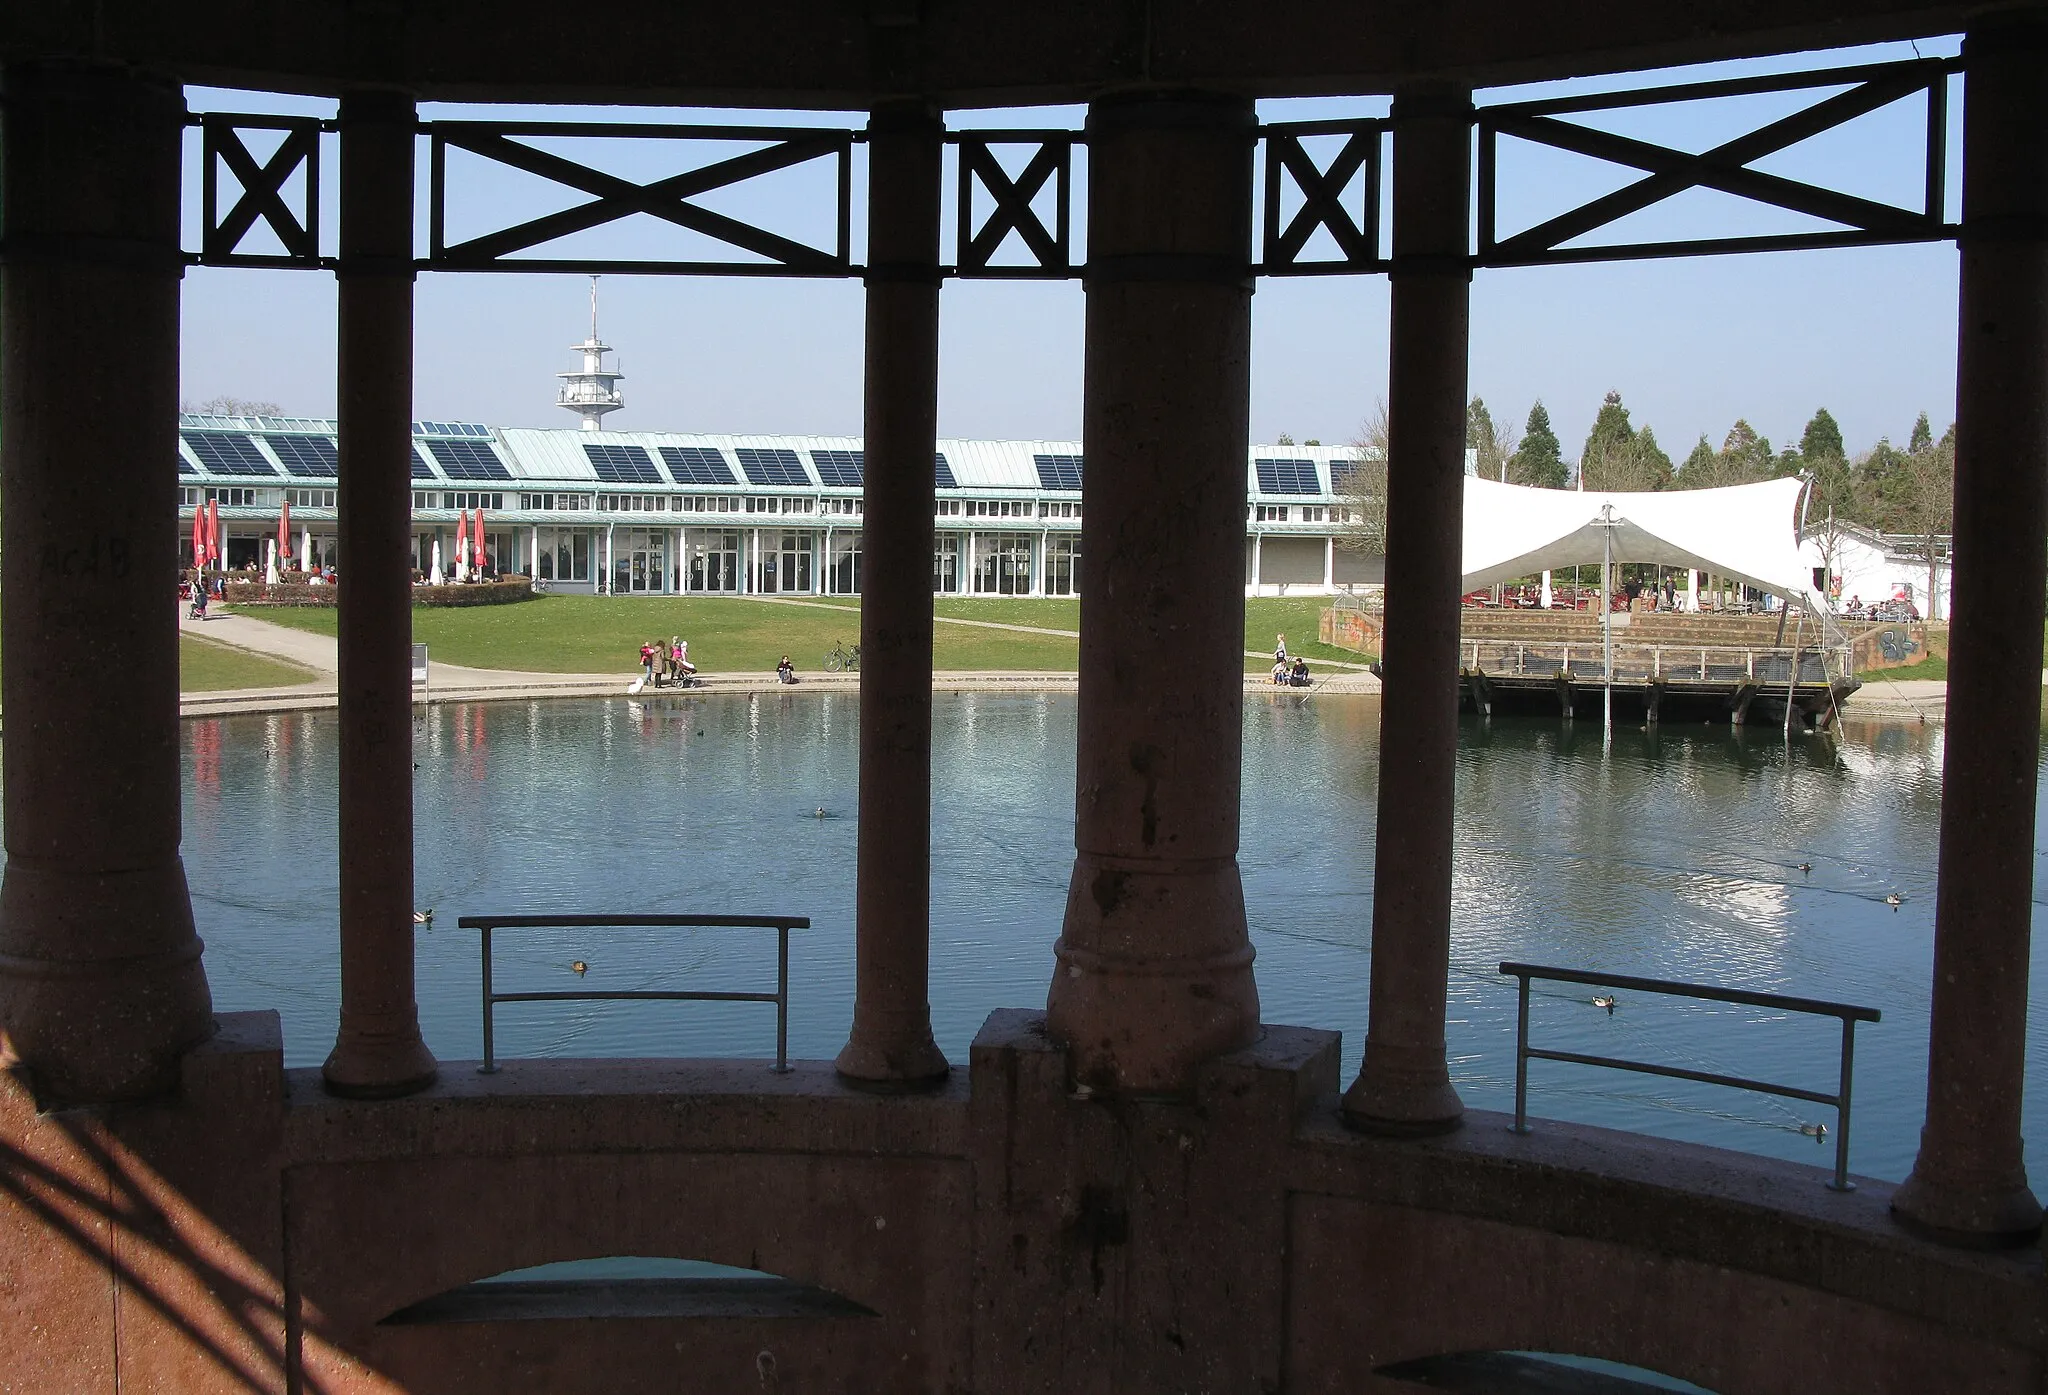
(781,924)
(1849,1013)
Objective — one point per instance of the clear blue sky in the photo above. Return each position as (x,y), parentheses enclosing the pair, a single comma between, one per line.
(1690,343)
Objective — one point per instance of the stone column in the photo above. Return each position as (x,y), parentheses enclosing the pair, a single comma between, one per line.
(1403,1084)
(1154,971)
(101,988)
(379,1051)
(1970,1182)
(891,1043)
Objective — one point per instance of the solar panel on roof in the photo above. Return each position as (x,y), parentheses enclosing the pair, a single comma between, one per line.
(697,465)
(1342,472)
(622,464)
(1058,471)
(228,453)
(308,457)
(420,469)
(185,469)
(775,465)
(1287,477)
(468,460)
(942,473)
(840,469)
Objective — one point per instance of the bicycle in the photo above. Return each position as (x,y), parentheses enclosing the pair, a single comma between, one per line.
(841,659)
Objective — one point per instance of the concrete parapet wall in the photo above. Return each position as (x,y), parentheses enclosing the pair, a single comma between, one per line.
(1010,1232)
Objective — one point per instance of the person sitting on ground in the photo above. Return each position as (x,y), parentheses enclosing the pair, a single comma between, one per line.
(785,672)
(1299,677)
(1279,672)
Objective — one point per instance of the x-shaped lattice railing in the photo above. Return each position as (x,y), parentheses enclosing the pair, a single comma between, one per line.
(614,198)
(1012,200)
(262,197)
(1341,197)
(1289,162)
(1724,168)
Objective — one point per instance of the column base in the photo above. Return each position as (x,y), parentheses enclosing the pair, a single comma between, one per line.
(1402,1093)
(367,1067)
(905,1064)
(97,1030)
(1137,1023)
(2000,1216)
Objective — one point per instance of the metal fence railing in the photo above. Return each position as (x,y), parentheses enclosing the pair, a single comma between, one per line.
(1669,663)
(1848,1013)
(780,924)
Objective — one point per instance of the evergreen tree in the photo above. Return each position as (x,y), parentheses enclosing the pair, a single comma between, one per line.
(1822,439)
(1651,461)
(1478,424)
(1745,456)
(1539,460)
(1698,471)
(1922,437)
(1493,444)
(1619,457)
(1611,433)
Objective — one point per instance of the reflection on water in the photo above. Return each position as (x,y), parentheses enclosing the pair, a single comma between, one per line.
(1671,854)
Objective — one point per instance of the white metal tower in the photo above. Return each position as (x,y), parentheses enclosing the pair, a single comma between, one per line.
(594,391)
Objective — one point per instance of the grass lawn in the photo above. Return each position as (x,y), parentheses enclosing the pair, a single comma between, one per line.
(206,667)
(598,634)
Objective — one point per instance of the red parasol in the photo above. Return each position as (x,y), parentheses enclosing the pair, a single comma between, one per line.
(284,531)
(199,537)
(479,536)
(213,552)
(461,540)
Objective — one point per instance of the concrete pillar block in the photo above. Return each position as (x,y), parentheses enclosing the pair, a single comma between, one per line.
(1126,1245)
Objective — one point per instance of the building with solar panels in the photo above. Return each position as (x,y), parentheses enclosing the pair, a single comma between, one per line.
(657,513)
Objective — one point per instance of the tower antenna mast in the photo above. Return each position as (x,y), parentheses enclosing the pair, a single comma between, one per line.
(595,390)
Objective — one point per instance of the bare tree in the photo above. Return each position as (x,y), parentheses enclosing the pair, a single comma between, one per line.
(1360,485)
(233,407)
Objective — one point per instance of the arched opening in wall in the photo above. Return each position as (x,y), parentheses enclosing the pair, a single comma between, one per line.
(1530,1373)
(626,1286)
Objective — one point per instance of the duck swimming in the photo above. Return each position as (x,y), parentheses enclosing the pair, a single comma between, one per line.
(1814,1131)
(425,917)
(579,968)
(1895,900)
(1806,866)
(1606,1000)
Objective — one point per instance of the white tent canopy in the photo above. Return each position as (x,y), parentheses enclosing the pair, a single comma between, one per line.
(1747,532)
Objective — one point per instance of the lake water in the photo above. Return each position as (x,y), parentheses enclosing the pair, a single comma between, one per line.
(1670,855)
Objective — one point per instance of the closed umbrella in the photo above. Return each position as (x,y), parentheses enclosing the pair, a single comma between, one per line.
(213,552)
(199,538)
(284,534)
(306,550)
(434,573)
(270,562)
(481,557)
(461,545)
